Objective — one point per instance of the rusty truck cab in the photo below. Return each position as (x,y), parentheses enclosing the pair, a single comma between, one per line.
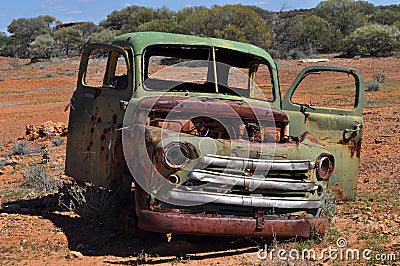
(199,128)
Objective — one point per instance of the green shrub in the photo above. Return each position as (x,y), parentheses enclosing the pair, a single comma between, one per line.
(380,76)
(57,141)
(88,201)
(374,85)
(43,46)
(37,178)
(373,40)
(21,148)
(377,82)
(2,163)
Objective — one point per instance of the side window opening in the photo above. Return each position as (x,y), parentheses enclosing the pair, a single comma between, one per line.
(263,83)
(238,78)
(106,68)
(338,90)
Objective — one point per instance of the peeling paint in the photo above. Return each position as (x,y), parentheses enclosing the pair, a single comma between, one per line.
(272,163)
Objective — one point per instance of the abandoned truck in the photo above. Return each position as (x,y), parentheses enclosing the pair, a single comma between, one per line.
(196,128)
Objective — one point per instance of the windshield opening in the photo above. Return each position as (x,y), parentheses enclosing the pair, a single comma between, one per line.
(207,70)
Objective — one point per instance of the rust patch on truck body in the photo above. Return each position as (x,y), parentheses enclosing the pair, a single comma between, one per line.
(178,223)
(210,146)
(210,106)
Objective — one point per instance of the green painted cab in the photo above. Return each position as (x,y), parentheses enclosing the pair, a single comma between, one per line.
(197,129)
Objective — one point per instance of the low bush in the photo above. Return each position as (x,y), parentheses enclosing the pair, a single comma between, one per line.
(2,163)
(88,201)
(21,148)
(377,82)
(374,85)
(57,141)
(37,178)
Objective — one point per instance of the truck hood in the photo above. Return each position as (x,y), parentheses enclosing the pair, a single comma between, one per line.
(213,106)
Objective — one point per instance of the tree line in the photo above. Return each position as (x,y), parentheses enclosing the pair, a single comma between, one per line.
(348,27)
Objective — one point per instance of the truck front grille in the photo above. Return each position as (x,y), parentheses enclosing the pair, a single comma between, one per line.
(251,182)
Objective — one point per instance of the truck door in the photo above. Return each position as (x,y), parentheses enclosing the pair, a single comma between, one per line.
(325,104)
(105,82)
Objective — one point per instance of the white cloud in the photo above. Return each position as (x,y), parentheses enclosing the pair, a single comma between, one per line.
(261,3)
(56,6)
(67,20)
(74,12)
(58,9)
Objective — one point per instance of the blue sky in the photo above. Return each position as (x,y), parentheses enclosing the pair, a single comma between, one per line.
(97,10)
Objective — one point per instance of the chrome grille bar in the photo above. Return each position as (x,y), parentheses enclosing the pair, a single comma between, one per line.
(253,182)
(256,164)
(202,197)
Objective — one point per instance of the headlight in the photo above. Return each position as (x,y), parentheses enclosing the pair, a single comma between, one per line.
(325,165)
(176,155)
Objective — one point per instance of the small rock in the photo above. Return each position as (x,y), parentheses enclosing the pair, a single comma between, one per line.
(377,141)
(75,254)
(7,168)
(169,237)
